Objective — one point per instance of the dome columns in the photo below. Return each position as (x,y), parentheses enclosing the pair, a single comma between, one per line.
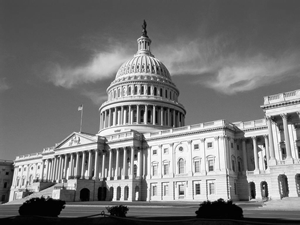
(141,114)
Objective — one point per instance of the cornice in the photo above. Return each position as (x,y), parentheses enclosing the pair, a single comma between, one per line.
(280,104)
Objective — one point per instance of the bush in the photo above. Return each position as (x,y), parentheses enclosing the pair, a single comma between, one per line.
(219,209)
(42,207)
(118,210)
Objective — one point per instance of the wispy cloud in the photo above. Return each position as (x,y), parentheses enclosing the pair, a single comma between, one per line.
(3,85)
(96,97)
(102,65)
(230,70)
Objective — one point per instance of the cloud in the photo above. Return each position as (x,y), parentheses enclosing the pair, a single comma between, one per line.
(230,70)
(102,65)
(96,97)
(3,85)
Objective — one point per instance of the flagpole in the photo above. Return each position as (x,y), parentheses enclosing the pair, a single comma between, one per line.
(81,118)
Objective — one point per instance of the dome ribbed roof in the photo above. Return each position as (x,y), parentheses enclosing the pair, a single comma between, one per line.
(143,64)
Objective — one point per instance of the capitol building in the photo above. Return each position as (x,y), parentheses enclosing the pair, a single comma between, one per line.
(144,151)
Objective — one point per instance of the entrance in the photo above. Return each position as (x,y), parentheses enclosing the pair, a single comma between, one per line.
(297,181)
(264,190)
(252,190)
(101,193)
(181,188)
(283,186)
(85,194)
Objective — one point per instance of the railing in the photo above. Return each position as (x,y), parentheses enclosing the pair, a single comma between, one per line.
(281,97)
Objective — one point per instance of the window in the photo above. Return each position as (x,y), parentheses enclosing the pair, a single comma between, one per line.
(154,190)
(181,166)
(180,149)
(209,144)
(149,90)
(154,152)
(166,189)
(239,166)
(3,198)
(129,90)
(161,92)
(237,147)
(197,166)
(135,170)
(235,189)
(5,185)
(166,94)
(166,169)
(7,173)
(155,91)
(135,90)
(233,165)
(298,152)
(231,145)
(154,169)
(166,150)
(211,188)
(142,90)
(196,146)
(181,189)
(19,169)
(197,189)
(210,165)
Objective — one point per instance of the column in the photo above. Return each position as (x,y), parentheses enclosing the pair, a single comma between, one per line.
(177,119)
(139,174)
(83,166)
(217,161)
(228,153)
(138,119)
(244,155)
(255,154)
(115,117)
(271,142)
(174,119)
(109,164)
(66,166)
(286,138)
(50,170)
(96,171)
(103,165)
(42,173)
(71,167)
(47,170)
(146,114)
(117,164)
(122,115)
(59,168)
(203,161)
(132,162)
(130,114)
(154,115)
(161,116)
(100,125)
(267,149)
(53,169)
(109,118)
(90,165)
(77,175)
(63,167)
(124,163)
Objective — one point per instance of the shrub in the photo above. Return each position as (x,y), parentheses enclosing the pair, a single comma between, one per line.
(118,210)
(42,207)
(219,209)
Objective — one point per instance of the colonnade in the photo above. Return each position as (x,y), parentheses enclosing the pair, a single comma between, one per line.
(141,114)
(93,164)
(286,140)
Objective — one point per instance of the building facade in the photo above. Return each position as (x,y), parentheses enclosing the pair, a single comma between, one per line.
(145,152)
(6,175)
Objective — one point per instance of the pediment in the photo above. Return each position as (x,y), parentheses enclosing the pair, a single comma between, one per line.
(76,139)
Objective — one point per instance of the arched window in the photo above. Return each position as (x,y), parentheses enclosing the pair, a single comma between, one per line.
(166,94)
(149,91)
(180,166)
(142,89)
(155,91)
(135,90)
(161,92)
(129,91)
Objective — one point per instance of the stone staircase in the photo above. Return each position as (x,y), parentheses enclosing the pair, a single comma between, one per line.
(46,193)
(288,203)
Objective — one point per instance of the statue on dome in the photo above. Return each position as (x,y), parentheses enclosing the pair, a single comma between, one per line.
(144,32)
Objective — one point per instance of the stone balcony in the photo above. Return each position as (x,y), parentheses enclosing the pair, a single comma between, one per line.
(282,97)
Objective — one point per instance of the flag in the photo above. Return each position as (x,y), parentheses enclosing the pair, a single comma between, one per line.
(80,108)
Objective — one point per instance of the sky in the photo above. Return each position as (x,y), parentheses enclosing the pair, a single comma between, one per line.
(224,56)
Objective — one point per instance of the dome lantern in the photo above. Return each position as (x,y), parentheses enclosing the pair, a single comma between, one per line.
(144,42)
